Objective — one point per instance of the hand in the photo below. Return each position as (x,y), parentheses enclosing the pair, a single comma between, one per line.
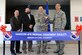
(30,26)
(46,17)
(18,30)
(62,30)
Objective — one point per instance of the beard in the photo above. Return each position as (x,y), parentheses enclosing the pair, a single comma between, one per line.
(28,13)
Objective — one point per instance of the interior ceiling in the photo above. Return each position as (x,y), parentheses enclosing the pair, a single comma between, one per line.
(36,2)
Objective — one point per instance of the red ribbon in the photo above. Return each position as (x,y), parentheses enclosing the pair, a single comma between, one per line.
(78,29)
(3,28)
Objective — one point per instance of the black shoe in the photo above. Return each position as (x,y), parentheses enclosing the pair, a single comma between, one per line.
(24,51)
(56,52)
(31,50)
(60,53)
(13,53)
(49,48)
(18,52)
(38,52)
(44,52)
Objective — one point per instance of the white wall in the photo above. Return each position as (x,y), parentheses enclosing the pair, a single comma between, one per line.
(2,14)
(76,10)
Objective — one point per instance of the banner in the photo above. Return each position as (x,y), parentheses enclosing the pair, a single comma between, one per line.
(57,35)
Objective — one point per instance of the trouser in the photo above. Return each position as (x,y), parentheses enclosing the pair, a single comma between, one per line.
(43,45)
(24,47)
(60,46)
(16,45)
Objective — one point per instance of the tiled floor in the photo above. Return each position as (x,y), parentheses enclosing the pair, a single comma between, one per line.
(70,49)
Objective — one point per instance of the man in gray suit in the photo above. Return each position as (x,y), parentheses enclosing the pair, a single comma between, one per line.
(59,23)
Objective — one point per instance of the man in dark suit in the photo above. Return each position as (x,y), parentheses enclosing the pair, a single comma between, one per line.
(28,22)
(15,26)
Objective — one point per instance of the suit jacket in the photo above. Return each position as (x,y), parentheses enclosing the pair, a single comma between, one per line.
(26,21)
(15,24)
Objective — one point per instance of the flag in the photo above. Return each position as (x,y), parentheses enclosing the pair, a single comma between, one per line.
(47,9)
(47,12)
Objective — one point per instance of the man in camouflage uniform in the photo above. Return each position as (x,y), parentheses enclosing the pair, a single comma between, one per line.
(59,23)
(41,26)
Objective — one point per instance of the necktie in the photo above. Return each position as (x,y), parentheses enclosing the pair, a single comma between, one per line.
(29,16)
